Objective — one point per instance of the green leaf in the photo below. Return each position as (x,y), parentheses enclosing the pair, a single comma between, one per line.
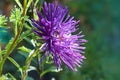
(25,34)
(11,76)
(23,54)
(36,2)
(2,52)
(54,69)
(14,62)
(24,49)
(19,4)
(28,4)
(31,68)
(33,42)
(39,4)
(3,21)
(9,44)
(51,69)
(15,17)
(3,77)
(29,78)
(7,76)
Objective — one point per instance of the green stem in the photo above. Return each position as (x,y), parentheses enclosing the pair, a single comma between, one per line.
(8,52)
(28,61)
(14,43)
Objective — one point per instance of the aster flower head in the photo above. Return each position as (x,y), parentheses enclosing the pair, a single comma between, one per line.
(56,27)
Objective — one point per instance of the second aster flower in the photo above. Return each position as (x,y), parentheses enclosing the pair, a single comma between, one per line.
(56,27)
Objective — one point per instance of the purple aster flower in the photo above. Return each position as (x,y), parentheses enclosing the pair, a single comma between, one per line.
(56,27)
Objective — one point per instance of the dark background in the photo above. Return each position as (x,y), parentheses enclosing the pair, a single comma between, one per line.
(100,22)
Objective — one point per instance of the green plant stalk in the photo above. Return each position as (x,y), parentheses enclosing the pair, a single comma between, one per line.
(28,61)
(14,43)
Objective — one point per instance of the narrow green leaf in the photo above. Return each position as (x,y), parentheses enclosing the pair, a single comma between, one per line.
(7,76)
(31,68)
(28,26)
(41,4)
(3,77)
(51,69)
(28,4)
(25,34)
(14,62)
(15,17)
(9,44)
(24,49)
(23,54)
(3,21)
(11,76)
(19,4)
(2,52)
(36,2)
(44,72)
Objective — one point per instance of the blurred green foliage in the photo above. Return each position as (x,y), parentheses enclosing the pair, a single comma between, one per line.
(100,22)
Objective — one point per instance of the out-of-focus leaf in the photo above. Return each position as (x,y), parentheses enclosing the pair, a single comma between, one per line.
(30,53)
(36,2)
(11,76)
(7,76)
(23,54)
(29,78)
(28,4)
(25,34)
(31,68)
(27,26)
(3,21)
(51,69)
(2,52)
(24,49)
(15,17)
(14,62)
(9,44)
(3,77)
(33,42)
(19,4)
